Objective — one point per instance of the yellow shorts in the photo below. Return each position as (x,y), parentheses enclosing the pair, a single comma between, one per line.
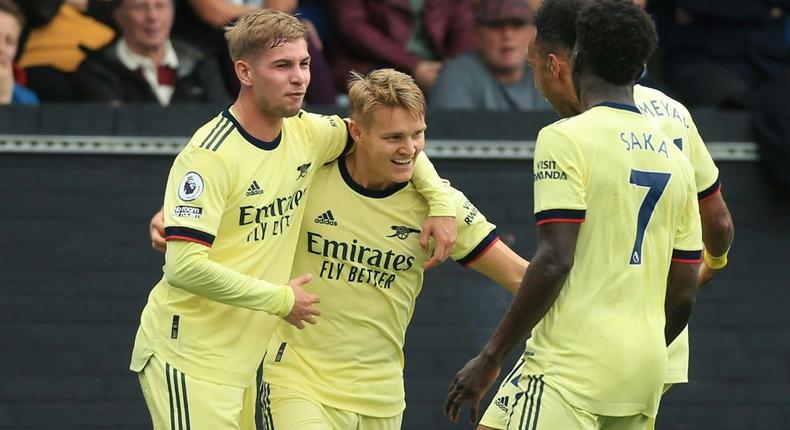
(498,412)
(540,407)
(178,401)
(285,409)
(651,422)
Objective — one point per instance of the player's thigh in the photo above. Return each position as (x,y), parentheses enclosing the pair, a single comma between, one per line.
(540,407)
(498,411)
(378,423)
(651,422)
(176,400)
(285,409)
(634,422)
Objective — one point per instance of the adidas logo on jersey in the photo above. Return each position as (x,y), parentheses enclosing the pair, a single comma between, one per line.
(502,403)
(254,189)
(326,218)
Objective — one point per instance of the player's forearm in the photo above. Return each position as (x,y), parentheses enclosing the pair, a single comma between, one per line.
(539,289)
(718,230)
(680,297)
(432,187)
(187,267)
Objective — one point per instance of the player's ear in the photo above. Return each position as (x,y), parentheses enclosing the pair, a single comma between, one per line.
(355,129)
(243,72)
(555,66)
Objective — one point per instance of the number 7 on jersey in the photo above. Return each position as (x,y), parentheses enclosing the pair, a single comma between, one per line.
(656,183)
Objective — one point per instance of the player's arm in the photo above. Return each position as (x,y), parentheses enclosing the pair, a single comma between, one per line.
(441,223)
(501,265)
(683,270)
(539,289)
(680,297)
(560,208)
(192,271)
(718,232)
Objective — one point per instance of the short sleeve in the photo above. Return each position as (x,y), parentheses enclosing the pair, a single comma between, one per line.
(329,132)
(475,234)
(559,179)
(706,174)
(687,246)
(195,197)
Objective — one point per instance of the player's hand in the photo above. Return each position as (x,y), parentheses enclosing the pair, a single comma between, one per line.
(305,309)
(705,274)
(471,383)
(444,231)
(157,232)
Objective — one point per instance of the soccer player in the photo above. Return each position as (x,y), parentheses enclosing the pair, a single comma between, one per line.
(549,56)
(233,206)
(360,238)
(614,277)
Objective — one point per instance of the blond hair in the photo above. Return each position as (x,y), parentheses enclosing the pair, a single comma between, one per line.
(383,87)
(261,29)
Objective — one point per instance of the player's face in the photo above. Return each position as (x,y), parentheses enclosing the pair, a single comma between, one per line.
(278,78)
(389,144)
(503,45)
(553,79)
(145,24)
(9,39)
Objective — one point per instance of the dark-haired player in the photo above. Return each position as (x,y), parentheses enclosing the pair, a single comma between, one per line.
(549,56)
(619,238)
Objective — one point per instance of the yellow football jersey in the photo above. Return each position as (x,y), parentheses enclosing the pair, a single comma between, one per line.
(675,121)
(244,198)
(362,247)
(601,345)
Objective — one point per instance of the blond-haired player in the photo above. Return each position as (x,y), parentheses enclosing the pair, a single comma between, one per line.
(359,238)
(234,203)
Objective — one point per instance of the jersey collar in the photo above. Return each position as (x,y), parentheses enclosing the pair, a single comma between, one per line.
(262,144)
(376,194)
(621,106)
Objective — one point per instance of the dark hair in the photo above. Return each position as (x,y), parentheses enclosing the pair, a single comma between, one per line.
(12,9)
(555,22)
(615,38)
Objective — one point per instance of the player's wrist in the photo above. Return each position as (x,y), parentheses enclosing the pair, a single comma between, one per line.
(289,298)
(714,262)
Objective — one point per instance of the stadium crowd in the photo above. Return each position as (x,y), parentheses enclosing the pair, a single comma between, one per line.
(466,54)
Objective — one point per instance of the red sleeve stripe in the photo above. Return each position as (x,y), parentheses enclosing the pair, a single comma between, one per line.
(561,215)
(689,257)
(189,234)
(480,249)
(710,191)
(551,220)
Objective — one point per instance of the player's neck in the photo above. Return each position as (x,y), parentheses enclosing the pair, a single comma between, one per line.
(594,90)
(253,120)
(363,175)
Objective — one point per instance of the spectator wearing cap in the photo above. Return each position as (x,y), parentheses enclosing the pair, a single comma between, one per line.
(11,24)
(145,65)
(495,76)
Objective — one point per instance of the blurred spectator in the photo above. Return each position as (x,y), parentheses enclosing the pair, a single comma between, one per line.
(145,65)
(495,76)
(716,53)
(11,24)
(414,36)
(204,21)
(54,48)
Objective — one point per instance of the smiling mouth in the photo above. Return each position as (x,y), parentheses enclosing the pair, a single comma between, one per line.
(402,162)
